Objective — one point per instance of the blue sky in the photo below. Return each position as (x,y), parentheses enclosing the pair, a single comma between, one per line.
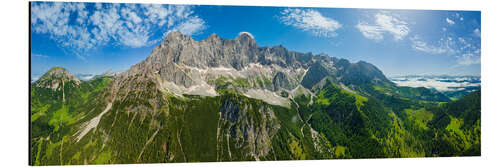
(93,38)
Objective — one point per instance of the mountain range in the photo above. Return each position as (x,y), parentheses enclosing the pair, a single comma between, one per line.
(232,100)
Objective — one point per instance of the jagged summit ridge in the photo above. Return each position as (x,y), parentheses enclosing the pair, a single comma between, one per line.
(182,65)
(229,53)
(211,52)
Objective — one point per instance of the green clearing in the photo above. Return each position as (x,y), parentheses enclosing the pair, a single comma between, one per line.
(340,151)
(419,117)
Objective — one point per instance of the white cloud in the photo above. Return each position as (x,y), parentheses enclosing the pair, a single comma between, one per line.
(462,40)
(468,59)
(191,26)
(310,20)
(466,50)
(477,51)
(39,55)
(244,32)
(371,32)
(157,14)
(449,21)
(436,82)
(128,14)
(84,77)
(384,24)
(420,45)
(477,32)
(98,6)
(129,25)
(459,17)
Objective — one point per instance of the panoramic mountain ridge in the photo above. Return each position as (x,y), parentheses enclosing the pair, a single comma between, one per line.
(247,103)
(186,66)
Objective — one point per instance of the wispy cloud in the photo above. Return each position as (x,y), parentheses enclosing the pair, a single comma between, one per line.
(244,32)
(466,50)
(310,20)
(191,26)
(420,45)
(39,55)
(459,17)
(477,32)
(469,59)
(384,24)
(75,27)
(449,21)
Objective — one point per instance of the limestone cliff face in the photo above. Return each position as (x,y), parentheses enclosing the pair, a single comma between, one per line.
(251,125)
(182,65)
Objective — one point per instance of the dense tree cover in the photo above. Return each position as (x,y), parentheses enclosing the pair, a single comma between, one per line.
(150,126)
(385,124)
(459,94)
(421,93)
(458,127)
(52,118)
(361,125)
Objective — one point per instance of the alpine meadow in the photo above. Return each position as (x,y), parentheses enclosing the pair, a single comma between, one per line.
(156,83)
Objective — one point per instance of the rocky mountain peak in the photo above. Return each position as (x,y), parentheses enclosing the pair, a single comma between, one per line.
(175,35)
(210,52)
(213,36)
(58,73)
(213,40)
(176,38)
(55,78)
(246,39)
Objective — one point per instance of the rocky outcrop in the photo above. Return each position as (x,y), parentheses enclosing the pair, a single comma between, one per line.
(314,75)
(281,81)
(251,125)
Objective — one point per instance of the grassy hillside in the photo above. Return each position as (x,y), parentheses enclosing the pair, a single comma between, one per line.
(147,125)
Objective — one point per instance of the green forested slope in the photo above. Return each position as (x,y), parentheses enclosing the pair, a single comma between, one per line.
(147,125)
